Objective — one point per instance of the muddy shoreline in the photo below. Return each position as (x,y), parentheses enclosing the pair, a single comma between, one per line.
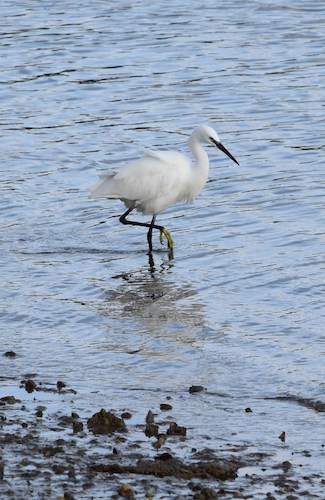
(48,454)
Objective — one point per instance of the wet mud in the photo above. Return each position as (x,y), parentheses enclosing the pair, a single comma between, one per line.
(55,454)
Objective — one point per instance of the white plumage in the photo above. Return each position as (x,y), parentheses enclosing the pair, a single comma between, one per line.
(152,183)
(160,179)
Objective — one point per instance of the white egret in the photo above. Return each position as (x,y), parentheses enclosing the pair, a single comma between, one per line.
(160,179)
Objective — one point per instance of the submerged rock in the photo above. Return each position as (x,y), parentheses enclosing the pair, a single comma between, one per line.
(173,468)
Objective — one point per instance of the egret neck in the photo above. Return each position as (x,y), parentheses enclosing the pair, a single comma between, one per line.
(200,167)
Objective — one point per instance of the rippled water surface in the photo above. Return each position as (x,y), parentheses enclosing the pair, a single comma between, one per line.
(240,310)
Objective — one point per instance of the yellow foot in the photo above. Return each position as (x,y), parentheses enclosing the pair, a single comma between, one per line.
(168,238)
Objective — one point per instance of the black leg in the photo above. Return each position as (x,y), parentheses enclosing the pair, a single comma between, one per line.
(151,226)
(122,219)
(149,235)
(151,262)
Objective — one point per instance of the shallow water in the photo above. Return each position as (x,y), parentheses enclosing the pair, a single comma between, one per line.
(240,309)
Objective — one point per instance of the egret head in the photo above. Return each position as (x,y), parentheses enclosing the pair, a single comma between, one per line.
(206,134)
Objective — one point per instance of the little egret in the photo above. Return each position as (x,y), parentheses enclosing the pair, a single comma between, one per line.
(160,179)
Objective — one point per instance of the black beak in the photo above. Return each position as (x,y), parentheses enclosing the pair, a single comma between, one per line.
(224,150)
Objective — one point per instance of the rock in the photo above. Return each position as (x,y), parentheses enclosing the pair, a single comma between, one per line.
(10,400)
(195,388)
(151,430)
(126,491)
(165,407)
(286,466)
(51,451)
(161,439)
(172,468)
(60,385)
(30,386)
(105,422)
(206,494)
(164,456)
(150,417)
(65,420)
(77,427)
(68,496)
(10,354)
(176,430)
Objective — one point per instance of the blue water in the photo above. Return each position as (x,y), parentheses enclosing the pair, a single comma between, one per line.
(240,310)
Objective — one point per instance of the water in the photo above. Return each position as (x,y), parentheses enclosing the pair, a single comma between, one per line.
(240,309)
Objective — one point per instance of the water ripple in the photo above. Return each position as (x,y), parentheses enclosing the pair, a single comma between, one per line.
(243,299)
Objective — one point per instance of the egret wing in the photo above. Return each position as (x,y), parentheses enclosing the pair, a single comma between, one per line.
(150,184)
(147,178)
